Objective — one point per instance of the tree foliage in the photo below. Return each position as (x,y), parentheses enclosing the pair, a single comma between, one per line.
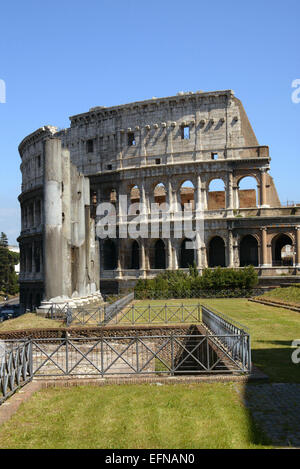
(8,259)
(217,282)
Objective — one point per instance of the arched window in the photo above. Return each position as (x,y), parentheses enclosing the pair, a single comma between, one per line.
(160,194)
(248,251)
(187,254)
(109,255)
(216,252)
(135,256)
(247,190)
(159,255)
(134,195)
(282,250)
(216,199)
(187,194)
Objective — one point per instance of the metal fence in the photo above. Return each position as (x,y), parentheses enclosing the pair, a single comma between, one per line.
(227,331)
(223,348)
(83,315)
(131,355)
(159,314)
(15,366)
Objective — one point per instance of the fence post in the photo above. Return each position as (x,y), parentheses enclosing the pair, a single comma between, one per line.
(172,355)
(207,354)
(102,358)
(137,354)
(67,354)
(30,361)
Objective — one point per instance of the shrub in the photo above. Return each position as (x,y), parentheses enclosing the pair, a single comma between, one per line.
(218,282)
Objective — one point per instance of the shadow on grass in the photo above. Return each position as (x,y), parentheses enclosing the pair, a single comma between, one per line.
(277,362)
(274,406)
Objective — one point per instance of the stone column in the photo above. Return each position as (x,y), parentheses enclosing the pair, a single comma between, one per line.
(142,257)
(175,258)
(169,145)
(204,254)
(230,248)
(204,196)
(197,135)
(197,198)
(169,198)
(119,260)
(198,249)
(119,149)
(143,154)
(229,191)
(143,199)
(235,194)
(53,219)
(264,247)
(169,255)
(263,192)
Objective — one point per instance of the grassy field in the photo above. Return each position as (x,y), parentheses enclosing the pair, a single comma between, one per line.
(272,331)
(133,416)
(29,321)
(287,294)
(208,415)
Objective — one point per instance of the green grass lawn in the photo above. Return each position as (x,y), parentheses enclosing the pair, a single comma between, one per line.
(133,416)
(187,416)
(286,294)
(29,321)
(272,331)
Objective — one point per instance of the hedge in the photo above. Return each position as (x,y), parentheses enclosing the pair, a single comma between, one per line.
(218,282)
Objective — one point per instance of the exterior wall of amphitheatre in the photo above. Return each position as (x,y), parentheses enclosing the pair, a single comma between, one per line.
(161,150)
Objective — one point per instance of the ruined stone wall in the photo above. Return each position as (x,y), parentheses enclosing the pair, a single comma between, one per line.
(147,151)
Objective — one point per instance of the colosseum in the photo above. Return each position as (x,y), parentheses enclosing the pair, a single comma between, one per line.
(196,149)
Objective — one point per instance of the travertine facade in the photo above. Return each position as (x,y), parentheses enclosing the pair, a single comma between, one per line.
(147,151)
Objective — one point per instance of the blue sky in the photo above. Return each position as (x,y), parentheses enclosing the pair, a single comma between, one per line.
(62,57)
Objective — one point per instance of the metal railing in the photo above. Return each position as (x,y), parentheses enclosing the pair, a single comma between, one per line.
(58,311)
(223,347)
(226,330)
(15,366)
(159,314)
(130,355)
(86,314)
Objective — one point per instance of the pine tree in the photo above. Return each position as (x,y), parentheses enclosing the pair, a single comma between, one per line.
(3,240)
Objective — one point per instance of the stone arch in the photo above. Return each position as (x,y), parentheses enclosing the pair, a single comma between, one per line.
(281,253)
(187,255)
(216,252)
(248,251)
(187,193)
(134,194)
(109,194)
(216,194)
(109,255)
(160,193)
(135,255)
(133,200)
(158,255)
(247,191)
